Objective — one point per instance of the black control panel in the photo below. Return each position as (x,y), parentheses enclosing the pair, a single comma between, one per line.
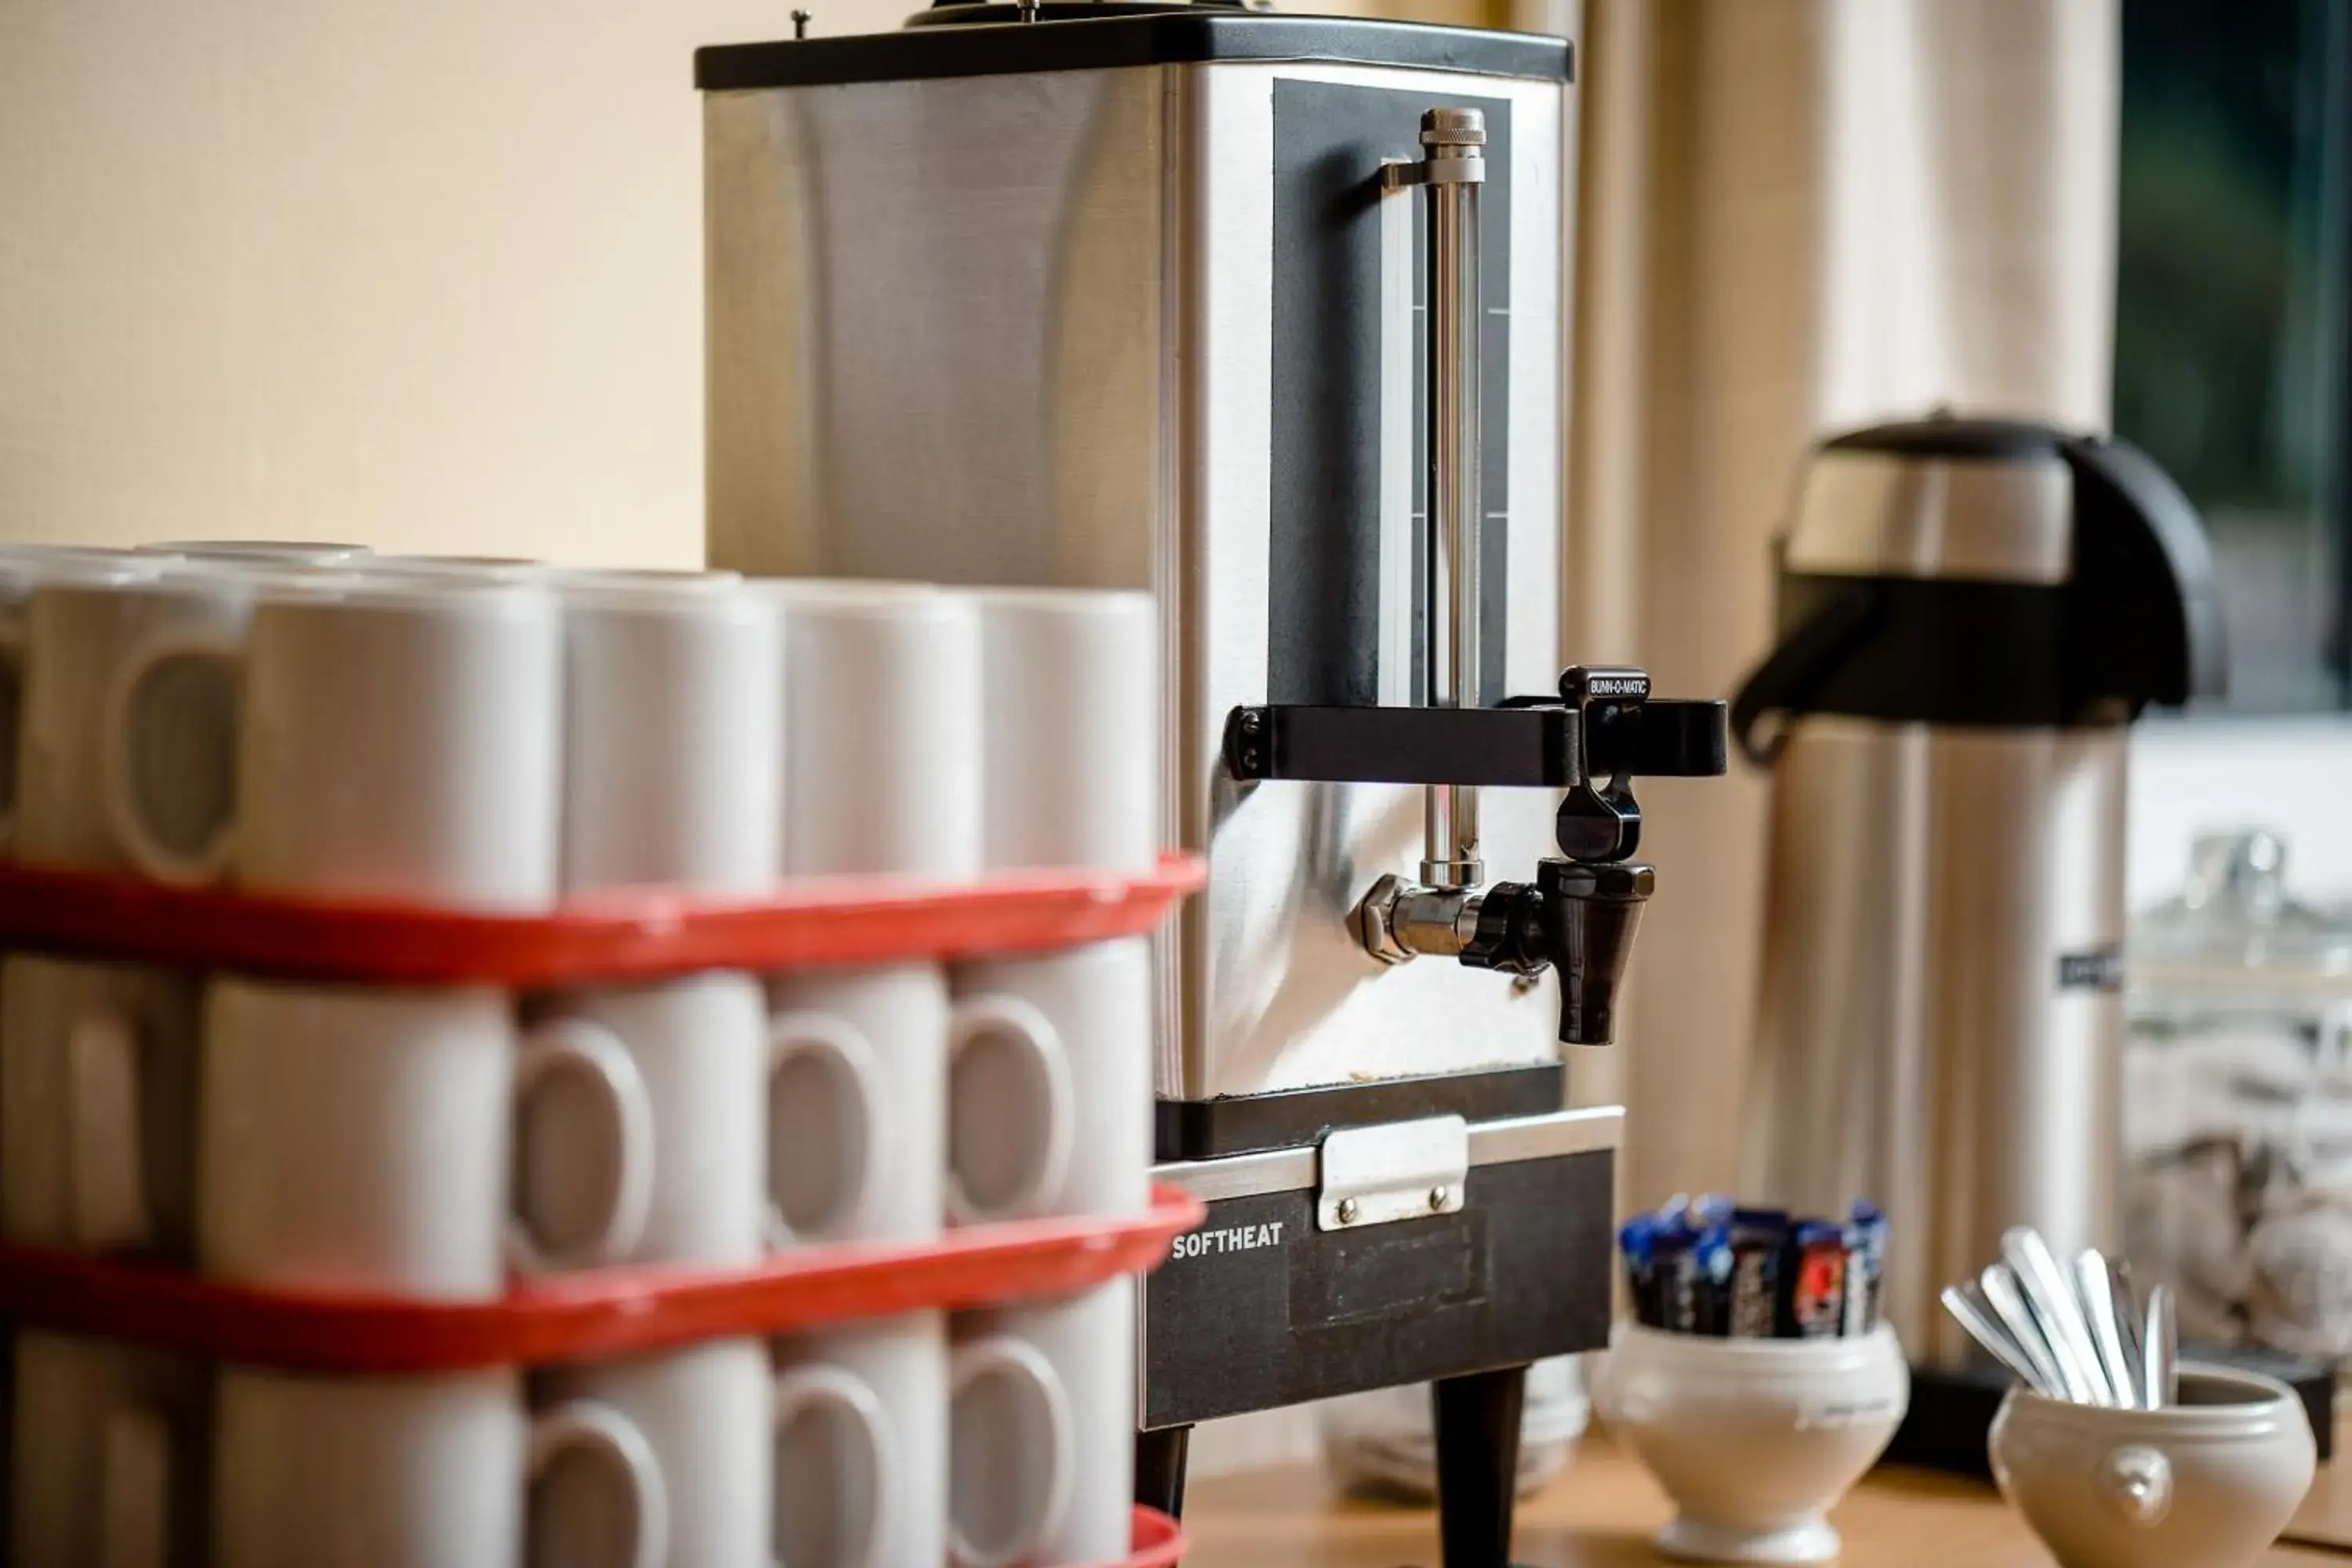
(1258,1308)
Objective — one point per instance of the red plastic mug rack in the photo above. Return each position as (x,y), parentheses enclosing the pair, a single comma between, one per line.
(638,934)
(588,1315)
(633,934)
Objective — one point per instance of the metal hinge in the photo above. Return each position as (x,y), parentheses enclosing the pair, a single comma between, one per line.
(1399,1170)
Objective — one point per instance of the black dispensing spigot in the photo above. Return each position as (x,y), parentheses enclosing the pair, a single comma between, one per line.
(1579,913)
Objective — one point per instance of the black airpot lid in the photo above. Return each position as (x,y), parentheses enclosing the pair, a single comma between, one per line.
(2136,620)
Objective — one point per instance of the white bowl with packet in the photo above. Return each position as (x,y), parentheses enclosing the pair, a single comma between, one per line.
(1754,1440)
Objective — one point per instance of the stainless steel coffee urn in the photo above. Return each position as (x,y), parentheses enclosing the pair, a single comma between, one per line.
(1971,613)
(1263,314)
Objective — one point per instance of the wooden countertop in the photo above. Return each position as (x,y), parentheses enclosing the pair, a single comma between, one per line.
(1599,1515)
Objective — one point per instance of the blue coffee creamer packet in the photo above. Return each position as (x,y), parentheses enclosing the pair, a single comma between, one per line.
(1758,1237)
(1637,1239)
(1707,1211)
(1673,1253)
(1711,1276)
(1865,1267)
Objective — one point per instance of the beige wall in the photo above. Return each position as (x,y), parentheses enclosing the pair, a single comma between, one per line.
(425,275)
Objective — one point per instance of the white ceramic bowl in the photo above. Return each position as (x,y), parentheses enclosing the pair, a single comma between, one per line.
(1753,1439)
(2209,1481)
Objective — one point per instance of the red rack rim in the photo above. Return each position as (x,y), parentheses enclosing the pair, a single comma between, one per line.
(630,934)
(591,1315)
(1155,1541)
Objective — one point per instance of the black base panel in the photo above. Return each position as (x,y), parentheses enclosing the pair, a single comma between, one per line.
(1951,1411)
(1287,1119)
(1258,1308)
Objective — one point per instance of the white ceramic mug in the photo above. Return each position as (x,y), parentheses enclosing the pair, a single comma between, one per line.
(266,552)
(857,1092)
(359,1139)
(460,569)
(1042,1430)
(412,1471)
(861,1446)
(108,1455)
(706,1414)
(20,573)
(673,733)
(882,740)
(98,1091)
(1071,745)
(400,740)
(90,629)
(655,577)
(700,1048)
(1049,1085)
(85,553)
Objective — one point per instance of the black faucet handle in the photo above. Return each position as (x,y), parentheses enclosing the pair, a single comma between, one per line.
(1616,730)
(1599,820)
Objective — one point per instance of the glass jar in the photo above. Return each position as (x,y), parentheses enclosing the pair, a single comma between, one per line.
(2238,1104)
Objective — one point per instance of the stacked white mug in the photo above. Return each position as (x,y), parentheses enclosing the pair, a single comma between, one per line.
(98,1066)
(882,777)
(673,775)
(1043,1401)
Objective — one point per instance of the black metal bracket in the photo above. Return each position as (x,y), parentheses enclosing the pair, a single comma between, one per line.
(1605,731)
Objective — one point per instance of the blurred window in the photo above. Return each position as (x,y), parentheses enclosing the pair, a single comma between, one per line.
(2232,341)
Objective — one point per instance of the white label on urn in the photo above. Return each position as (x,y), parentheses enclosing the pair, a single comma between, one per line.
(1232,1238)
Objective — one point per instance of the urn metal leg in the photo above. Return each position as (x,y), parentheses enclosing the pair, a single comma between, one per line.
(1477,1464)
(1159,1468)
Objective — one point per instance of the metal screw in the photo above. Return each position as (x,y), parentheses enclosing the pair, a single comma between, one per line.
(1522,983)
(1437,1199)
(1251,721)
(1249,759)
(799,23)
(1028,10)
(1348,1211)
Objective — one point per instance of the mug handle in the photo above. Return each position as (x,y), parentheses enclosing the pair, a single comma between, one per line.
(1003,1353)
(1020,1022)
(12,672)
(109,1208)
(134,1490)
(180,867)
(583,1045)
(850,1058)
(590,1427)
(803,1388)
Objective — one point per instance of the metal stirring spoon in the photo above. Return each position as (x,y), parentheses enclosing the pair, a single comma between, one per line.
(2008,1302)
(2162,1349)
(2097,1296)
(2124,1301)
(1968,1306)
